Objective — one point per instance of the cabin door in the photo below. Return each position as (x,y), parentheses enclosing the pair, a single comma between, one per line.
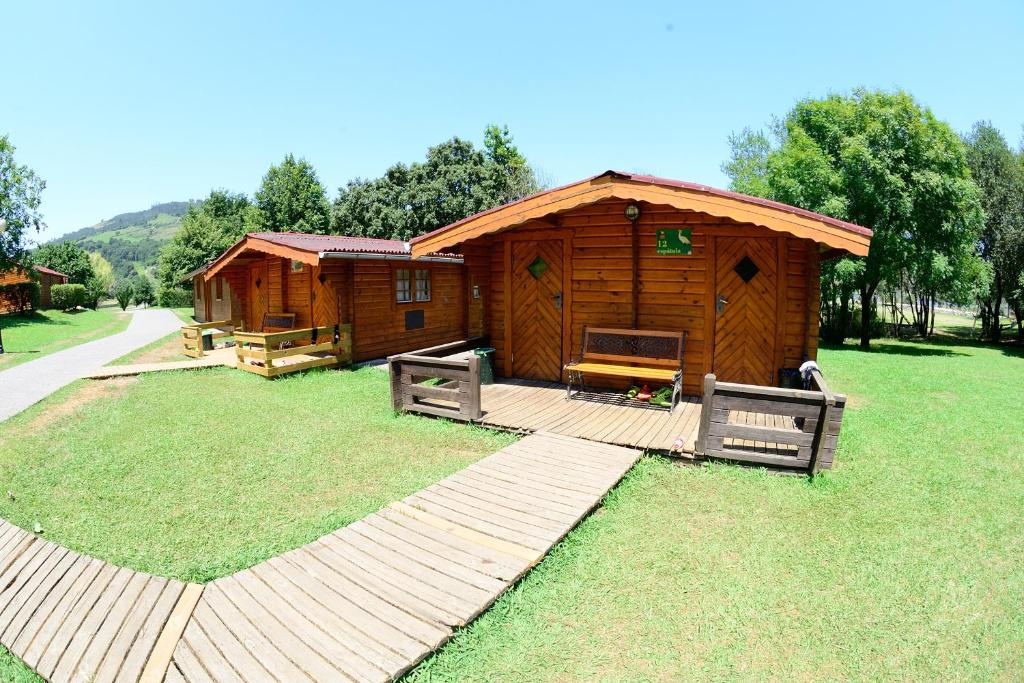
(537,311)
(745,315)
(259,295)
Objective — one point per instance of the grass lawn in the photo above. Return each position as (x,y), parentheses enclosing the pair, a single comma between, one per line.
(33,336)
(162,350)
(906,561)
(198,474)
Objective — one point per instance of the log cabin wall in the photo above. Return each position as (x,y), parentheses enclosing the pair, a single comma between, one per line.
(675,292)
(379,323)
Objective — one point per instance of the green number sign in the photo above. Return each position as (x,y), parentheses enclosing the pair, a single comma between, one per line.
(673,242)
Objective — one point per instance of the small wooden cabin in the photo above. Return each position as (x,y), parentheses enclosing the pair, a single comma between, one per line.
(739,275)
(46,277)
(393,304)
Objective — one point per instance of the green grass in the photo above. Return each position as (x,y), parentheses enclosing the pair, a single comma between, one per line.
(33,336)
(906,561)
(198,474)
(167,348)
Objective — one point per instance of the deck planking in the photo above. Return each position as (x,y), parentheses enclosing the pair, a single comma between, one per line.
(607,417)
(73,618)
(371,600)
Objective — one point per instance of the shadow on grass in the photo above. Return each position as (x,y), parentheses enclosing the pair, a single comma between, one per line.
(945,343)
(13,320)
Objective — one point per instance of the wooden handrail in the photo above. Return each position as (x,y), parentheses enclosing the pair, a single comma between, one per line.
(268,338)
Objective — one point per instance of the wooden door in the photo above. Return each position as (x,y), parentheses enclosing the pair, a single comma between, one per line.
(259,295)
(537,310)
(745,324)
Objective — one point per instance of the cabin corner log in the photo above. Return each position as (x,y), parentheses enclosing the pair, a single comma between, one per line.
(792,428)
(457,397)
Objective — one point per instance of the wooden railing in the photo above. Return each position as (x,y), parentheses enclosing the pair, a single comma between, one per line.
(316,347)
(192,335)
(793,428)
(414,386)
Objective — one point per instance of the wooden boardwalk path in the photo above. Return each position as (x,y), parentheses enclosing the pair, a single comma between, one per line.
(530,406)
(75,618)
(212,359)
(369,601)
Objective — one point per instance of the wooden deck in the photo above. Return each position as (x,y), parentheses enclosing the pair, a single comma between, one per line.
(74,618)
(369,601)
(211,359)
(607,417)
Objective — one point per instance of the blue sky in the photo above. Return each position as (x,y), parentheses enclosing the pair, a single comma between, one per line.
(121,105)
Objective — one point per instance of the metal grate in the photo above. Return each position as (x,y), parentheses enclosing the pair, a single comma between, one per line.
(645,346)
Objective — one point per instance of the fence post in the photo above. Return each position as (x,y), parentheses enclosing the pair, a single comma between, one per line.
(821,430)
(473,408)
(705,414)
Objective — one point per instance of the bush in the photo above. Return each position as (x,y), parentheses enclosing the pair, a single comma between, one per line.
(94,292)
(20,297)
(124,292)
(67,297)
(174,297)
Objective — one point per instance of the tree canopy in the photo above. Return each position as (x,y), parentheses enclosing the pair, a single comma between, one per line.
(291,198)
(999,172)
(456,180)
(20,194)
(207,229)
(881,160)
(67,258)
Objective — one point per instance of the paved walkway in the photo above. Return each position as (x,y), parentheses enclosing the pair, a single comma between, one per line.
(365,603)
(25,384)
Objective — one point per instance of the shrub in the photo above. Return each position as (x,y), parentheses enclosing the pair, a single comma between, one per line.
(67,297)
(20,297)
(124,292)
(174,297)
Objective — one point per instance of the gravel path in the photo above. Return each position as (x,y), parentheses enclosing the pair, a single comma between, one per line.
(25,384)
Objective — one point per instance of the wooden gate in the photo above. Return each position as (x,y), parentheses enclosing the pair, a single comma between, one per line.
(259,296)
(537,310)
(745,309)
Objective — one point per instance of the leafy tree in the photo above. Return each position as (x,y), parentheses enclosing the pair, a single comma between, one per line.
(999,174)
(20,191)
(292,198)
(880,160)
(124,292)
(102,272)
(456,180)
(207,229)
(67,258)
(143,293)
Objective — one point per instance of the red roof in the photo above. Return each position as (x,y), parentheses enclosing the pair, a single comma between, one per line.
(667,182)
(329,243)
(49,271)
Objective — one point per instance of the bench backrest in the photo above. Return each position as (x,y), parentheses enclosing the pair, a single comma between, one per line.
(278,322)
(649,347)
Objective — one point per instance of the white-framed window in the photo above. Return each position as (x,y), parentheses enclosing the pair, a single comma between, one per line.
(422,285)
(403,286)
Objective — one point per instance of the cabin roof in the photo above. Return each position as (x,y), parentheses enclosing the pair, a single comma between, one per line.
(309,249)
(49,271)
(832,232)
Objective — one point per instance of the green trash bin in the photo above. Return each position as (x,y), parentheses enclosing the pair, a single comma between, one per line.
(486,355)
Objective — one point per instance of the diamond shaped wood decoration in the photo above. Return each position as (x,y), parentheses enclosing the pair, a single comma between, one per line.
(537,268)
(746,269)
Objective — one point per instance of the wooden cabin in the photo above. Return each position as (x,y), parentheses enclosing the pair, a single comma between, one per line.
(277,280)
(46,277)
(738,275)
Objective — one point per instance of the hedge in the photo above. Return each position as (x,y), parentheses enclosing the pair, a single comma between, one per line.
(66,297)
(174,297)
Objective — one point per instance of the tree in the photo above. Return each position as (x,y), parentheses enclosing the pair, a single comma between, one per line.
(456,180)
(207,229)
(880,160)
(67,258)
(20,193)
(999,174)
(143,293)
(102,272)
(292,198)
(124,292)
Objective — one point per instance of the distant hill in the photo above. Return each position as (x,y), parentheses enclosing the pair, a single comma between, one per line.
(131,241)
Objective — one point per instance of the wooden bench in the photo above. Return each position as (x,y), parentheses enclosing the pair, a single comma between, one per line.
(645,355)
(278,322)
